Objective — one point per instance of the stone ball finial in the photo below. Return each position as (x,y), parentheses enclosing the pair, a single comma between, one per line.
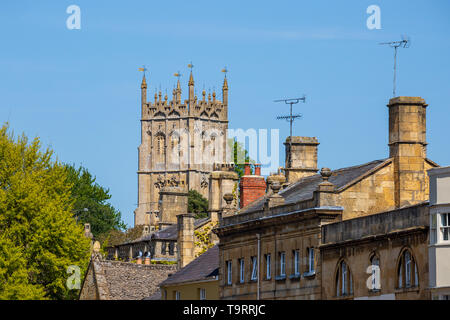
(97,246)
(325,173)
(228,197)
(275,186)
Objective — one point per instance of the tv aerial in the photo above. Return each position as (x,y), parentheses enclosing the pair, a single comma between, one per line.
(404,43)
(291,117)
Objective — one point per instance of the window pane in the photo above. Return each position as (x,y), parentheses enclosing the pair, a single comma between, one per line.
(407,269)
(311,259)
(444,219)
(344,278)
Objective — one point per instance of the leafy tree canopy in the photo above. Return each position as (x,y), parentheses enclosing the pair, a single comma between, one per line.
(239,151)
(90,202)
(197,204)
(39,239)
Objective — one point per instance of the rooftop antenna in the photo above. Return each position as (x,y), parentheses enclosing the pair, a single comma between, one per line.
(405,43)
(291,118)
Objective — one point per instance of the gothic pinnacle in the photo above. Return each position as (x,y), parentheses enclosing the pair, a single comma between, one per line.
(191,79)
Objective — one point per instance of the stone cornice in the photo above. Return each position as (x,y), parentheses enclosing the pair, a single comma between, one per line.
(321,213)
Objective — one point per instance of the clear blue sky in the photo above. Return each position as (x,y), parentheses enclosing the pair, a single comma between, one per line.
(79,89)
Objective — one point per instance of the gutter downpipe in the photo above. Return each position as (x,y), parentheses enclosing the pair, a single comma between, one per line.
(258,236)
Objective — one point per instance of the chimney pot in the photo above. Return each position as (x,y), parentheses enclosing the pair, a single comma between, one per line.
(247,171)
(257,169)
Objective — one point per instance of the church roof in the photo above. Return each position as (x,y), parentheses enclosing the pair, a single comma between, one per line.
(205,267)
(304,188)
(116,280)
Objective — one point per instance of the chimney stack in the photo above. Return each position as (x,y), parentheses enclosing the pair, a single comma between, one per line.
(223,180)
(185,239)
(251,187)
(301,158)
(172,201)
(407,148)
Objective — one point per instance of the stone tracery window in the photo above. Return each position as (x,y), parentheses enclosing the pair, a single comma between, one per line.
(344,281)
(407,272)
(375,273)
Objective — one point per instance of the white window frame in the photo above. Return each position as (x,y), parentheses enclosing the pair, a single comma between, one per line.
(268,266)
(241,270)
(444,226)
(177,295)
(311,260)
(282,263)
(296,262)
(229,272)
(254,268)
(202,294)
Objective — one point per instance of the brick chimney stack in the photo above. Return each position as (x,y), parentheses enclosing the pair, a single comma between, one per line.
(251,187)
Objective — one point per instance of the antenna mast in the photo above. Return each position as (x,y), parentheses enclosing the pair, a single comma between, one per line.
(405,43)
(291,118)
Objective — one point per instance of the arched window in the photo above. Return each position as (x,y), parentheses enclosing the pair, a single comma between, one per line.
(407,272)
(160,145)
(344,281)
(213,145)
(375,283)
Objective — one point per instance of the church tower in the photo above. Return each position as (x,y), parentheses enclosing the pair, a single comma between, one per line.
(180,142)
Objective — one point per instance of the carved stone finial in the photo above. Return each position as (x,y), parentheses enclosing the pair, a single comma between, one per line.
(228,197)
(275,187)
(325,173)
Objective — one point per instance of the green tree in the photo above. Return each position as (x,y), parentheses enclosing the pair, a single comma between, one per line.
(39,239)
(90,202)
(197,204)
(115,237)
(238,149)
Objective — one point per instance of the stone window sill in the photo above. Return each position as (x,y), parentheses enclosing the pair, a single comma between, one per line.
(309,275)
(295,277)
(280,278)
(408,289)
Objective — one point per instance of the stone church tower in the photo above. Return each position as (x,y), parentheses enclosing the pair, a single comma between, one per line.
(180,142)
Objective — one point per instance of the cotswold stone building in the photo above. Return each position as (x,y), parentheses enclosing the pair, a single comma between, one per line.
(180,142)
(116,280)
(315,235)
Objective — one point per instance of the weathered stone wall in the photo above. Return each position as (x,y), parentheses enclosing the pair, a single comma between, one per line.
(289,233)
(384,235)
(372,194)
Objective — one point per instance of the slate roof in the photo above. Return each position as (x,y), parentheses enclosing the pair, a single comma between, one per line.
(116,280)
(204,267)
(169,233)
(304,188)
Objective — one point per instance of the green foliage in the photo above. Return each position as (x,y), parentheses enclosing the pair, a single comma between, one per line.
(238,149)
(39,239)
(197,204)
(115,237)
(203,238)
(163,262)
(90,202)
